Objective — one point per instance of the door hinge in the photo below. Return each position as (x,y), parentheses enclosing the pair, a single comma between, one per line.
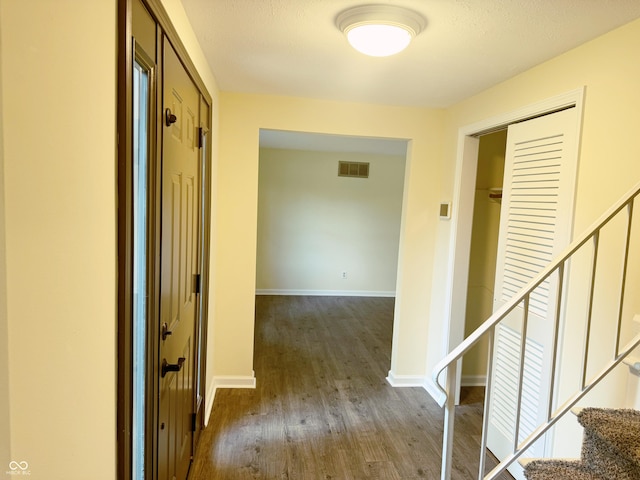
(200,137)
(194,422)
(196,283)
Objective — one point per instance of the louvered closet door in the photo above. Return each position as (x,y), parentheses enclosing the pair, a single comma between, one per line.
(535,225)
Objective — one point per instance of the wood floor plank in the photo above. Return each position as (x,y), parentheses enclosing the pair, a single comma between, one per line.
(322,408)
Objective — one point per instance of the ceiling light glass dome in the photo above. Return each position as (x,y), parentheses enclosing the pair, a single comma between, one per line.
(380,30)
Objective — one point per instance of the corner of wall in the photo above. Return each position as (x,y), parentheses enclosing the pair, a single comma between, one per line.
(223,381)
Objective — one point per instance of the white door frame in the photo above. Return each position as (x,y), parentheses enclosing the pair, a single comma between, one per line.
(463,198)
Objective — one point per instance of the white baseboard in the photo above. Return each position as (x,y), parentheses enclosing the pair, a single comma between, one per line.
(405,380)
(226,381)
(434,391)
(416,381)
(473,380)
(326,293)
(231,381)
(208,406)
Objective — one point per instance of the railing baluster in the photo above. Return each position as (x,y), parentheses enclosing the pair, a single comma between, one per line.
(624,273)
(523,350)
(556,336)
(487,402)
(449,421)
(592,283)
(452,362)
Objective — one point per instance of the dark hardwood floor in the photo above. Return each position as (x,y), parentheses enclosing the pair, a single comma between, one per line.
(322,408)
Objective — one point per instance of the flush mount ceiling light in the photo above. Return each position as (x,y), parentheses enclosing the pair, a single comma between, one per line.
(380,30)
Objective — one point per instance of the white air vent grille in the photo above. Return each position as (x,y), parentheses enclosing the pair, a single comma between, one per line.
(353,169)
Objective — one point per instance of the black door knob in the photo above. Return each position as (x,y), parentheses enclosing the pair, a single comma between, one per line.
(169,117)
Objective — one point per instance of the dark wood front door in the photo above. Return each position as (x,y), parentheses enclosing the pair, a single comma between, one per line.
(181,200)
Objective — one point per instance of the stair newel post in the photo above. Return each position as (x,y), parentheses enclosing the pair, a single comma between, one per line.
(449,420)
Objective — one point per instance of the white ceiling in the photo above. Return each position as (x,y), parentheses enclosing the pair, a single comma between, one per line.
(292,47)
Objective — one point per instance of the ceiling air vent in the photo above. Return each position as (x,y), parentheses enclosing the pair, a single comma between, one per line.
(353,169)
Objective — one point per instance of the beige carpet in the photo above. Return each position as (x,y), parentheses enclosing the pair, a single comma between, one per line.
(610,449)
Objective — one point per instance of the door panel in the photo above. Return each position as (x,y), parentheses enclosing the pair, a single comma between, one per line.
(535,225)
(181,202)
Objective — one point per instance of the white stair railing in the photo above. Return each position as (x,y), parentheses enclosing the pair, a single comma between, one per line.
(450,363)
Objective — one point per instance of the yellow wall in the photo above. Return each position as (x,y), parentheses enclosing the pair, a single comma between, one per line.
(609,150)
(608,164)
(241,118)
(606,67)
(5,431)
(58,118)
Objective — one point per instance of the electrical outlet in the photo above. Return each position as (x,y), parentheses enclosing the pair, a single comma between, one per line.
(344,275)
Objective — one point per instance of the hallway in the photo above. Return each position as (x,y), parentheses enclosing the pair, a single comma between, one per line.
(322,408)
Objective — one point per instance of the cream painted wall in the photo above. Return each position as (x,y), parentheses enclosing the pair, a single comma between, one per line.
(484,246)
(5,418)
(241,118)
(58,117)
(609,151)
(313,224)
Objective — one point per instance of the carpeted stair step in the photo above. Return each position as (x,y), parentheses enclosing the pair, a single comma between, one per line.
(559,469)
(611,442)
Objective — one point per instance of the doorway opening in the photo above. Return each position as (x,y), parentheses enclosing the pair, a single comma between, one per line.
(321,232)
(464,197)
(483,250)
(539,178)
